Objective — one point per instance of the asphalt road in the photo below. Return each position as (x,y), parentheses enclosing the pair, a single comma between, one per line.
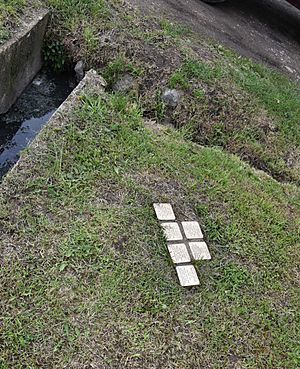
(266,30)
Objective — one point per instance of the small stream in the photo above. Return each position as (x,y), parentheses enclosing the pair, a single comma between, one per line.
(30,112)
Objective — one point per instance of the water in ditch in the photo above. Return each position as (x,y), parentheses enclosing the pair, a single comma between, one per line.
(30,112)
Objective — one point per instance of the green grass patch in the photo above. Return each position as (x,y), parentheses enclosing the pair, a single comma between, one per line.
(201,70)
(276,92)
(73,11)
(173,29)
(85,273)
(118,67)
(178,80)
(85,268)
(196,69)
(222,104)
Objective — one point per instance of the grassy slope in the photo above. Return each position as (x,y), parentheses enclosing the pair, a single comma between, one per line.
(85,273)
(247,109)
(228,101)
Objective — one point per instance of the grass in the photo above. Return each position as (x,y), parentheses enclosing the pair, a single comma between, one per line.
(9,10)
(173,30)
(276,93)
(245,108)
(231,119)
(71,14)
(87,277)
(228,101)
(117,68)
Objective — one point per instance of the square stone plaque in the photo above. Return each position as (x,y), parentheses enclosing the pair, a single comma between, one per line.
(187,275)
(192,230)
(200,251)
(164,211)
(179,253)
(172,231)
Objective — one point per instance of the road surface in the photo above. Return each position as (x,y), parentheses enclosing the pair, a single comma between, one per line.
(266,30)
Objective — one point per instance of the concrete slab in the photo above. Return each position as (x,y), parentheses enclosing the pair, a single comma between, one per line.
(179,253)
(172,231)
(187,275)
(164,211)
(21,58)
(192,230)
(200,251)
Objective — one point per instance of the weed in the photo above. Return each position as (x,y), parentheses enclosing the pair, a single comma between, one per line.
(178,80)
(90,38)
(173,29)
(4,35)
(199,94)
(114,70)
(54,55)
(160,107)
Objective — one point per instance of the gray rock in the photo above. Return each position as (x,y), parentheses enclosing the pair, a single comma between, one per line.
(124,84)
(171,98)
(79,70)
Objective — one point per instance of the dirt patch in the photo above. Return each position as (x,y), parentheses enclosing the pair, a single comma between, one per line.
(162,189)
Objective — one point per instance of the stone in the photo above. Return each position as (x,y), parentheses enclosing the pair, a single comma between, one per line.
(199,251)
(164,211)
(171,98)
(289,69)
(187,275)
(172,231)
(124,84)
(79,70)
(192,230)
(179,253)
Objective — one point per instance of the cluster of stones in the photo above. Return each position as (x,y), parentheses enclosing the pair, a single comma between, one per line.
(185,244)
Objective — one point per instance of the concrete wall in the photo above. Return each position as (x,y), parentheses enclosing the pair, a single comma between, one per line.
(21,59)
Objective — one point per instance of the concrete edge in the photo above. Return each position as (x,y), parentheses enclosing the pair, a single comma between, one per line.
(21,57)
(93,84)
(24,28)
